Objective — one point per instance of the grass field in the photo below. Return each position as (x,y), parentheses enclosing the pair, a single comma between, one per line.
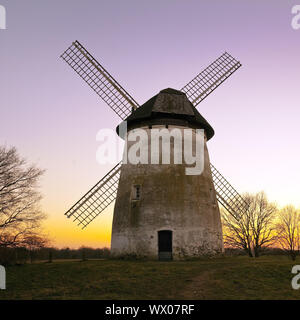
(268,277)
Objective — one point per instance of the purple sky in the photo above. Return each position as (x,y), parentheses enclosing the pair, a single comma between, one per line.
(52,116)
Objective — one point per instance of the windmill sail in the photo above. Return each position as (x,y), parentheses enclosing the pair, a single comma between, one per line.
(227,196)
(96,199)
(210,78)
(106,87)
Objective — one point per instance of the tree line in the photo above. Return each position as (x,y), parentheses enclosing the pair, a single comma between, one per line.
(22,255)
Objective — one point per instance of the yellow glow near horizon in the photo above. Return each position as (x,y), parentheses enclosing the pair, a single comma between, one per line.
(63,232)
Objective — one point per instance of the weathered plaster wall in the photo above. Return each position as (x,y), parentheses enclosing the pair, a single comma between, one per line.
(170,200)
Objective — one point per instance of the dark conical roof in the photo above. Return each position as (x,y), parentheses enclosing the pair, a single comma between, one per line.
(168,107)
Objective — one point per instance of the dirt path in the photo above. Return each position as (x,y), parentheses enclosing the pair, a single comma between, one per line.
(197,288)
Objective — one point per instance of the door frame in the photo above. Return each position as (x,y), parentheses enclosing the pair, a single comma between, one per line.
(165,255)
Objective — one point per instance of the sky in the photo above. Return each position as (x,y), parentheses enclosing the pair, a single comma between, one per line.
(52,117)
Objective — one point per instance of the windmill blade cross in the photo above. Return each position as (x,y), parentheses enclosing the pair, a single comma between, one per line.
(211,78)
(99,197)
(106,87)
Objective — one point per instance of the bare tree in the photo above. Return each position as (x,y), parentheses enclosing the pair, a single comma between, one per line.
(262,215)
(288,230)
(255,229)
(20,216)
(237,232)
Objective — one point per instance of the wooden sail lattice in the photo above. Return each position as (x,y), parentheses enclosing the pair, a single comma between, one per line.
(227,195)
(97,199)
(211,78)
(94,74)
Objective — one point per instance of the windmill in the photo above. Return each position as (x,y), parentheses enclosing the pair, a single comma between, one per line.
(146,222)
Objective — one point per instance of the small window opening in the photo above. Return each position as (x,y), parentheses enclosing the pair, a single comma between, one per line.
(136,192)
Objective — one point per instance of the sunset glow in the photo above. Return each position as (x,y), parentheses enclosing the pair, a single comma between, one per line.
(52,117)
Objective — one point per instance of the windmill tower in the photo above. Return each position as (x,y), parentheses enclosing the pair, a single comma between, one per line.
(159,211)
(159,208)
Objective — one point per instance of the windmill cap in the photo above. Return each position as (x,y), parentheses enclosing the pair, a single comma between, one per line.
(168,107)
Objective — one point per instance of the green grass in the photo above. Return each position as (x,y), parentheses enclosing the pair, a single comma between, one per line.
(268,277)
